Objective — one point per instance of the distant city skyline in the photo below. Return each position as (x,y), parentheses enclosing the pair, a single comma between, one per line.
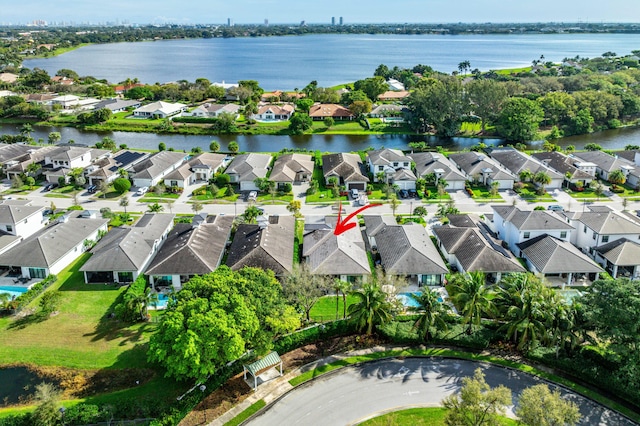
(295,11)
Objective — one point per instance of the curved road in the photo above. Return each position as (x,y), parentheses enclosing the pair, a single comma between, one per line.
(354,393)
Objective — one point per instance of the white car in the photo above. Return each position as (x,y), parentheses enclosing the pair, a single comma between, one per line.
(142,191)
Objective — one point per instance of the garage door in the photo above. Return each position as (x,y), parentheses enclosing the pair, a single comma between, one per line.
(359,186)
(406,184)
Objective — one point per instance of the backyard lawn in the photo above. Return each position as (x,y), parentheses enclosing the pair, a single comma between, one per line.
(325,308)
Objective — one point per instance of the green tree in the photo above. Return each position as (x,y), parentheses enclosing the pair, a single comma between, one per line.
(372,87)
(155,208)
(487,98)
(304,105)
(441,104)
(477,404)
(54,137)
(328,122)
(617,177)
(162,146)
(33,169)
(233,147)
(538,406)
(225,123)
(525,175)
(472,297)
(542,179)
(519,119)
(431,313)
(581,123)
(300,123)
(196,207)
(371,307)
(360,108)
(302,288)
(223,180)
(250,214)
(48,404)
(214,146)
(30,181)
(395,203)
(294,207)
(341,288)
(121,185)
(420,211)
(124,202)
(592,147)
(202,331)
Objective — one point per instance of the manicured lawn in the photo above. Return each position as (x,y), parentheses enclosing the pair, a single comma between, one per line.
(325,308)
(23,190)
(428,416)
(152,197)
(481,193)
(220,195)
(79,336)
(279,198)
(323,196)
(587,194)
(629,192)
(254,408)
(111,194)
(431,195)
(529,193)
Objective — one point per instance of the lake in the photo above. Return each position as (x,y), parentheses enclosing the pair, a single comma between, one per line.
(290,62)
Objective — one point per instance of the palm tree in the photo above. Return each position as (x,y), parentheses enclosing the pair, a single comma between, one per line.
(251,214)
(341,287)
(526,321)
(617,177)
(155,208)
(472,297)
(371,308)
(525,175)
(123,173)
(124,202)
(381,177)
(542,178)
(431,311)
(32,169)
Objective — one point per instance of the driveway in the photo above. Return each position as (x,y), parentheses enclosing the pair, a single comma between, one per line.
(353,394)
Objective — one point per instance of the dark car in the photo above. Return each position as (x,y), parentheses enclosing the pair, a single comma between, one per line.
(91,189)
(48,187)
(413,193)
(404,193)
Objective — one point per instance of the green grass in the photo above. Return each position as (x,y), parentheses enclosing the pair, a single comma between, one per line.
(23,190)
(529,193)
(323,195)
(279,198)
(67,189)
(481,193)
(153,197)
(220,195)
(586,195)
(254,408)
(78,337)
(428,416)
(325,308)
(509,71)
(433,196)
(297,245)
(441,352)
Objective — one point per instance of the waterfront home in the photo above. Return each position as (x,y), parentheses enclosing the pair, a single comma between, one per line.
(348,168)
(473,248)
(153,169)
(40,98)
(191,249)
(620,258)
(516,162)
(606,163)
(246,168)
(564,165)
(55,247)
(209,110)
(19,166)
(117,105)
(198,169)
(515,226)
(107,169)
(122,254)
(66,101)
(601,225)
(337,112)
(341,256)
(559,261)
(392,95)
(389,110)
(7,77)
(480,169)
(407,250)
(395,85)
(436,164)
(267,245)
(273,112)
(292,168)
(159,109)
(22,220)
(395,166)
(60,161)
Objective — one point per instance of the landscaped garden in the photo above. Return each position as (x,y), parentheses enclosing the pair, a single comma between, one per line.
(222,194)
(483,193)
(529,192)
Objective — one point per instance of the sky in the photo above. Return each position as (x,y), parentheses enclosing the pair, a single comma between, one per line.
(294,11)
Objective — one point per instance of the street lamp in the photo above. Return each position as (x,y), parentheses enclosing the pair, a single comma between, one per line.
(62,411)
(204,411)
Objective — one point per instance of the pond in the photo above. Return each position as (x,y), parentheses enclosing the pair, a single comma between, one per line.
(17,384)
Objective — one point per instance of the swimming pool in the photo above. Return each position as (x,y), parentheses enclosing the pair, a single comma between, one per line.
(569,294)
(409,301)
(14,291)
(162,302)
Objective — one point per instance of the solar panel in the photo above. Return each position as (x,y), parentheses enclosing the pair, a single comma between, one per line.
(493,245)
(128,157)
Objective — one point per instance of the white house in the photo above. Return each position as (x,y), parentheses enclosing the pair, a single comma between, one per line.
(394,164)
(21,220)
(209,110)
(601,225)
(272,112)
(159,110)
(516,162)
(153,169)
(481,169)
(432,162)
(245,168)
(66,101)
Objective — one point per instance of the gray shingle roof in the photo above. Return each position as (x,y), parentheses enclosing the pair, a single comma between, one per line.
(608,222)
(603,160)
(387,156)
(428,162)
(268,248)
(472,163)
(328,254)
(345,165)
(47,246)
(249,166)
(192,250)
(287,166)
(408,250)
(475,251)
(554,256)
(628,154)
(622,252)
(14,214)
(531,220)
(128,249)
(375,224)
(207,160)
(157,164)
(561,163)
(516,162)
(14,151)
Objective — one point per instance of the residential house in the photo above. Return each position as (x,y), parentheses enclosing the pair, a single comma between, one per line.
(564,165)
(473,248)
(337,112)
(397,112)
(21,220)
(515,226)
(19,165)
(394,164)
(601,225)
(407,250)
(632,155)
(479,168)
(267,245)
(154,169)
(559,260)
(516,162)
(209,110)
(428,163)
(123,254)
(620,258)
(348,168)
(159,109)
(191,249)
(40,98)
(606,163)
(292,168)
(246,168)
(107,169)
(341,256)
(66,101)
(395,85)
(117,105)
(272,112)
(59,162)
(55,247)
(5,93)
(198,169)
(7,77)
(392,95)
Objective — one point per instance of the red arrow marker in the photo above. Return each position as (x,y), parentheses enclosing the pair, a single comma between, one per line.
(343,226)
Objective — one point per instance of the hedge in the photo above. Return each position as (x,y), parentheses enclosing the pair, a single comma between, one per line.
(194,120)
(313,334)
(36,290)
(126,308)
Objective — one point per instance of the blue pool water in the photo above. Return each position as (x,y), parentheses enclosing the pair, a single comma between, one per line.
(162,301)
(409,302)
(13,291)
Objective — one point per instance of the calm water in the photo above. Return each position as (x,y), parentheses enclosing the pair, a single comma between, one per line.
(293,61)
(16,384)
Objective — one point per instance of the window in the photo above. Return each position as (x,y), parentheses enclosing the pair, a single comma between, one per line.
(380,168)
(527,234)
(9,228)
(125,277)
(563,234)
(605,238)
(37,272)
(430,280)
(584,229)
(594,236)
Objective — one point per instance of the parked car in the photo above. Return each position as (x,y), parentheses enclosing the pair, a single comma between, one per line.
(91,189)
(354,193)
(404,193)
(48,187)
(413,193)
(143,190)
(555,208)
(253,196)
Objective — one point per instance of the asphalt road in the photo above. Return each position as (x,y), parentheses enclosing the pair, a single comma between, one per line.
(355,393)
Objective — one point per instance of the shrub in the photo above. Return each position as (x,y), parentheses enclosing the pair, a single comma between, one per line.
(223,179)
(312,334)
(127,308)
(121,185)
(24,299)
(106,213)
(287,188)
